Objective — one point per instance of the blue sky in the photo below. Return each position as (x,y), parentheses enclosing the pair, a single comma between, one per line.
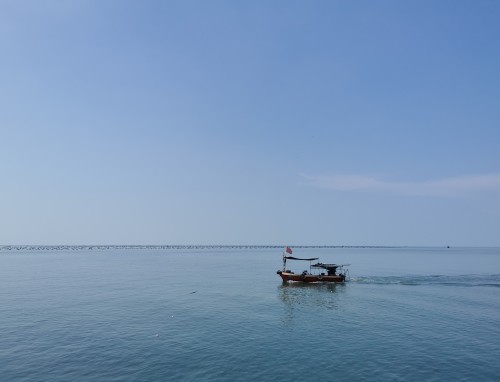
(250,122)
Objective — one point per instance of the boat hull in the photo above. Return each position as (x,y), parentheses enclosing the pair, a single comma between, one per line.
(290,276)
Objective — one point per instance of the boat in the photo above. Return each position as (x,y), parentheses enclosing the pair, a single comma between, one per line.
(318,272)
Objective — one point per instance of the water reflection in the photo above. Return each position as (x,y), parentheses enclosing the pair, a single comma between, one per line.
(301,298)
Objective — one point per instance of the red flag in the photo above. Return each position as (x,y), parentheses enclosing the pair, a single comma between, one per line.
(288,250)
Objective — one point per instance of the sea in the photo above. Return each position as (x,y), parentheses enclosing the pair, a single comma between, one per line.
(199,313)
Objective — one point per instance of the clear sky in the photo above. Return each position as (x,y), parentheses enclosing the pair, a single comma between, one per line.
(250,122)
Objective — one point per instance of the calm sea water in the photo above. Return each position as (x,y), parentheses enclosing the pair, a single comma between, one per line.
(407,314)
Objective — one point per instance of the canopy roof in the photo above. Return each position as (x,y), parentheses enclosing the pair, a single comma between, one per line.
(329,266)
(297,258)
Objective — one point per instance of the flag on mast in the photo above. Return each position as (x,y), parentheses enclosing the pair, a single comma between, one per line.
(288,250)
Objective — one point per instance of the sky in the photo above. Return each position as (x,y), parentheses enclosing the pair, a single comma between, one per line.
(250,122)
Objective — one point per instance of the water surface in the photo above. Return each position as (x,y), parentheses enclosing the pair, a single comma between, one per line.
(125,314)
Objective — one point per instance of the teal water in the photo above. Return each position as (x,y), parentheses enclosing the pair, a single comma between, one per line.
(407,314)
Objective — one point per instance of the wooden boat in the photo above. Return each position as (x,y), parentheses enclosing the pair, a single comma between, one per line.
(319,275)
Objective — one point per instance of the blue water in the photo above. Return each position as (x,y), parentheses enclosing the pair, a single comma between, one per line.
(117,314)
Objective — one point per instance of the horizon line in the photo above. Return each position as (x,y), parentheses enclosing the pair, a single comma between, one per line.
(210,246)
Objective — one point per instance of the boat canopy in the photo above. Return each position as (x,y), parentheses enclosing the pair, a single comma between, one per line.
(329,266)
(297,258)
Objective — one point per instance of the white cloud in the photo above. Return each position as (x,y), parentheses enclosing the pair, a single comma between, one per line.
(440,187)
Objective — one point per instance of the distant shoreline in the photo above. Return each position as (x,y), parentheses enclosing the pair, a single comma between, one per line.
(197,247)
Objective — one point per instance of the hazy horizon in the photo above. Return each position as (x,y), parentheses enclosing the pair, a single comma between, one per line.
(215,246)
